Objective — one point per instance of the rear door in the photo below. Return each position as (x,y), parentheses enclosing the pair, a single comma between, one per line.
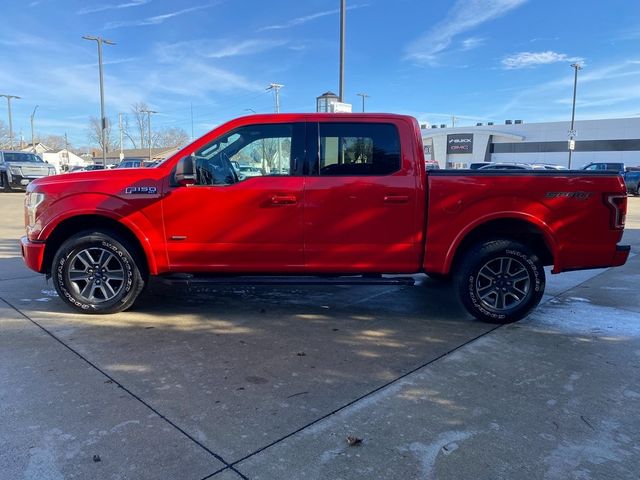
(360,199)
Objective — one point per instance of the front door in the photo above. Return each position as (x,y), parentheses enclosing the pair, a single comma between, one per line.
(244,214)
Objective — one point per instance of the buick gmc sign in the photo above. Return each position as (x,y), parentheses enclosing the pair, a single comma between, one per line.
(460,143)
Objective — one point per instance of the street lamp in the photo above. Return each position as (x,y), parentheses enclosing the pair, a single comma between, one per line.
(33,143)
(343,14)
(363,95)
(149,112)
(276,88)
(103,119)
(572,131)
(9,97)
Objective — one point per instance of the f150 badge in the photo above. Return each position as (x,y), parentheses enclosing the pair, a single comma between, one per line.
(141,190)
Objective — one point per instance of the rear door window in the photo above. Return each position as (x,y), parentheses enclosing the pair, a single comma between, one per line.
(354,149)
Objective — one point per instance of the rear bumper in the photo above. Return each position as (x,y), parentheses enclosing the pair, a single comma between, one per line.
(602,259)
(621,255)
(33,254)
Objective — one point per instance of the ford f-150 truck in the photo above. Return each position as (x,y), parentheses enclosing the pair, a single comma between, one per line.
(342,198)
(18,169)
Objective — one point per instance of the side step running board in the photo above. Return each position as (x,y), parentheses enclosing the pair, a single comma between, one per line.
(186,279)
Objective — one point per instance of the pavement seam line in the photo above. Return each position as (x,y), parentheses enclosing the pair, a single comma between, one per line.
(362,397)
(119,385)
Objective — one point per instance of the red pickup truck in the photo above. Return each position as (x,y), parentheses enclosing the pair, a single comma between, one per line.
(341,198)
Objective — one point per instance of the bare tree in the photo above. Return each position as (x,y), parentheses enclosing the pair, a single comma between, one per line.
(170,137)
(4,134)
(140,122)
(56,142)
(127,131)
(95,136)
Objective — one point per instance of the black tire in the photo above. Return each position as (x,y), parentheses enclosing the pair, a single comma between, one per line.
(637,192)
(97,272)
(6,187)
(500,281)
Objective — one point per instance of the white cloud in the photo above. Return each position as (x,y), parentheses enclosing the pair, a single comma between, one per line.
(118,6)
(215,48)
(307,18)
(598,90)
(465,15)
(533,59)
(472,42)
(155,20)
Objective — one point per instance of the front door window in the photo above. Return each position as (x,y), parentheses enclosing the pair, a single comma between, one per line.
(251,151)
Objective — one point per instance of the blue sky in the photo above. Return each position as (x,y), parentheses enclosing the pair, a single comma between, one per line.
(480,60)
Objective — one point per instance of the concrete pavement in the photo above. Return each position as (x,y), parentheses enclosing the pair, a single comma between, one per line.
(266,382)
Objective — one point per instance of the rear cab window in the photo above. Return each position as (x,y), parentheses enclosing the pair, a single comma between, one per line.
(354,149)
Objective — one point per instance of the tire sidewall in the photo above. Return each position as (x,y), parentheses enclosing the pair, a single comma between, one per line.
(82,241)
(6,186)
(477,258)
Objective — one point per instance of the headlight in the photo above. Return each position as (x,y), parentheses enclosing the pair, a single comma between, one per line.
(15,171)
(31,203)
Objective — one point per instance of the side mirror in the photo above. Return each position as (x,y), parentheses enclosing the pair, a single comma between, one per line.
(185,171)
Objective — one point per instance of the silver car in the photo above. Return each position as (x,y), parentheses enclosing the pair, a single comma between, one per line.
(18,169)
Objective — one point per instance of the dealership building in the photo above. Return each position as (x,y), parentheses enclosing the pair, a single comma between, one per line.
(611,140)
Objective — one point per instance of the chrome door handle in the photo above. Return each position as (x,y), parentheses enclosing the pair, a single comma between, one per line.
(396,199)
(283,199)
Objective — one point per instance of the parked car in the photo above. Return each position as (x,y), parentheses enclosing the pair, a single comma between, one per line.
(520,166)
(249,171)
(506,166)
(353,199)
(18,169)
(631,175)
(129,164)
(477,165)
(431,165)
(85,168)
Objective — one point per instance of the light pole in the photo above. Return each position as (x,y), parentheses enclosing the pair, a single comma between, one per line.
(33,142)
(103,119)
(363,95)
(343,14)
(572,132)
(149,112)
(9,97)
(276,88)
(121,135)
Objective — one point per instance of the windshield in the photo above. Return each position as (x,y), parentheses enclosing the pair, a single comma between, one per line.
(21,157)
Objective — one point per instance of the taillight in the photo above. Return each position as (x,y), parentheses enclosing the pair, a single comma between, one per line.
(617,204)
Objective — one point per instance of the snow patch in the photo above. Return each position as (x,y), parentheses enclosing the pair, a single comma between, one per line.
(427,453)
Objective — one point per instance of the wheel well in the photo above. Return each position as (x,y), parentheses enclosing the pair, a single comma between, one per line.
(73,225)
(511,229)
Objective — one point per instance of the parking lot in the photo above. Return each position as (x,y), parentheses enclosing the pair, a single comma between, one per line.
(268,382)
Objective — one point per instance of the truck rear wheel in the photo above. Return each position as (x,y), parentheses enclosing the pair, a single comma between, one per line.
(95,272)
(500,281)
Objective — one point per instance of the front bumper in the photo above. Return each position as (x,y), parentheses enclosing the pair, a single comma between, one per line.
(33,254)
(18,181)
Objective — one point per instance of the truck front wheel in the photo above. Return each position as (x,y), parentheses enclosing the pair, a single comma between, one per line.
(500,281)
(6,186)
(96,272)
